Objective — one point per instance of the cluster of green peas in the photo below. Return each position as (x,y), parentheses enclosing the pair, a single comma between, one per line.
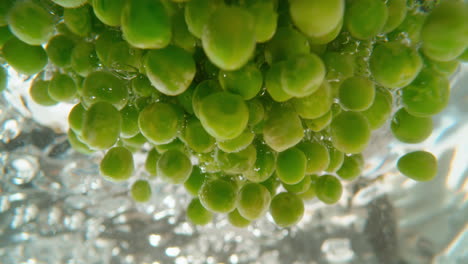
(239,97)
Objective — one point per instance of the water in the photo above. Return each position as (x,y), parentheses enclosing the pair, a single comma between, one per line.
(55,208)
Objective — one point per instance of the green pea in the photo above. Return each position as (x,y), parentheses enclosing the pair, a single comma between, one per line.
(103,41)
(236,219)
(327,38)
(366,18)
(108,11)
(317,18)
(256,111)
(218,196)
(291,165)
(102,86)
(181,35)
(395,65)
(356,93)
(273,83)
(302,75)
(350,132)
(237,162)
(79,20)
(286,43)
(380,110)
(30,22)
(197,214)
(418,165)
(336,160)
(39,92)
(339,65)
(101,126)
(299,187)
(24,58)
(264,166)
(146,24)
(70,3)
(446,68)
(287,209)
(246,82)
(129,121)
(223,115)
(318,158)
(253,201)
(316,104)
(141,86)
(117,164)
(266,18)
(174,144)
(444,33)
(84,59)
(310,193)
(160,122)
(197,14)
(136,141)
(141,191)
(396,14)
(411,129)
(196,137)
(3,79)
(59,50)
(174,167)
(238,143)
(350,169)
(195,181)
(77,145)
(410,27)
(320,123)
(282,129)
(151,162)
(202,90)
(122,57)
(62,88)
(170,70)
(329,189)
(427,95)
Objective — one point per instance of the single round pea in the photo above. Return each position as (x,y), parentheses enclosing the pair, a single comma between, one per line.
(202,90)
(236,219)
(316,18)
(246,82)
(237,162)
(70,3)
(350,169)
(318,158)
(129,121)
(427,95)
(79,20)
(336,160)
(302,75)
(102,86)
(291,165)
(181,35)
(101,126)
(195,181)
(282,129)
(418,165)
(253,201)
(218,196)
(30,22)
(229,45)
(62,88)
(145,24)
(356,93)
(224,115)
(151,162)
(84,59)
(142,87)
(273,83)
(160,122)
(3,79)
(77,145)
(316,104)
(339,65)
(366,18)
(411,129)
(170,70)
(108,11)
(394,65)
(444,33)
(117,164)
(299,187)
(141,191)
(24,58)
(197,14)
(196,137)
(320,123)
(174,167)
(238,143)
(287,209)
(329,189)
(39,92)
(397,10)
(350,132)
(380,110)
(197,214)
(59,49)
(266,18)
(264,166)
(286,43)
